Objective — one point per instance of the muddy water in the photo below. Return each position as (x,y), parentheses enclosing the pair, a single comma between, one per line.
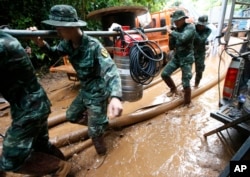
(166,145)
(171,144)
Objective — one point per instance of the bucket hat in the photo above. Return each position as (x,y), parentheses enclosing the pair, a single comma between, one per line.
(202,20)
(178,14)
(64,16)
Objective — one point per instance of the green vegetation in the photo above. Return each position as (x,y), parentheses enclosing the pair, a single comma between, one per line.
(22,14)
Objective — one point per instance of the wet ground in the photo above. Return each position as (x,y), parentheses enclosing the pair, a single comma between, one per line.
(164,140)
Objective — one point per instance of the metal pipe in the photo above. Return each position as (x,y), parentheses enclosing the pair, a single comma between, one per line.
(227,33)
(222,18)
(53,33)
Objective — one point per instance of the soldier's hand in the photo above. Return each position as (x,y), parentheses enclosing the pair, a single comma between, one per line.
(37,40)
(168,28)
(115,107)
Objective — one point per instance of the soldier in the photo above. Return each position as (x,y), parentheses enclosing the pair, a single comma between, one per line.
(200,40)
(26,147)
(181,41)
(100,92)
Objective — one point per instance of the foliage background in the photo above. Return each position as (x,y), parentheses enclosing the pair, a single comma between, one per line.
(22,14)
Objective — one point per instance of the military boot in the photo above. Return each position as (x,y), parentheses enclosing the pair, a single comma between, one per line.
(50,149)
(2,173)
(196,83)
(198,77)
(187,96)
(170,83)
(99,145)
(41,164)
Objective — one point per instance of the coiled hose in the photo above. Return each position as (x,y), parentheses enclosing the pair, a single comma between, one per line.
(144,65)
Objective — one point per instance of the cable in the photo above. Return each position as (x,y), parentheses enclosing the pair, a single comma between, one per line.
(143,64)
(220,59)
(1,135)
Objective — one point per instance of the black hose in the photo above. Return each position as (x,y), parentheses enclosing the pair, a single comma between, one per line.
(1,135)
(144,65)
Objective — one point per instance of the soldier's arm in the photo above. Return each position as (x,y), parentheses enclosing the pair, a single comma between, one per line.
(109,72)
(185,35)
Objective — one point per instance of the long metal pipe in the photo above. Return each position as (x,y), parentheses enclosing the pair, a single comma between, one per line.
(221,22)
(53,33)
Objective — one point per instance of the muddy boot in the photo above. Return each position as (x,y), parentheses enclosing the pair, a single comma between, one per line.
(2,173)
(51,149)
(63,170)
(99,144)
(197,79)
(197,82)
(187,96)
(170,83)
(40,164)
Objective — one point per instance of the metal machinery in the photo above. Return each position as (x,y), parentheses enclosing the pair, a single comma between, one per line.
(131,90)
(138,58)
(233,111)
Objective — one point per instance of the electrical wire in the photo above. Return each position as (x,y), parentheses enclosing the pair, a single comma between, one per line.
(1,135)
(220,59)
(144,65)
(144,60)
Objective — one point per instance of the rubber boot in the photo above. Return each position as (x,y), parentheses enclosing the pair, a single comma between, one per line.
(197,79)
(41,164)
(196,83)
(51,149)
(187,96)
(170,83)
(99,145)
(2,174)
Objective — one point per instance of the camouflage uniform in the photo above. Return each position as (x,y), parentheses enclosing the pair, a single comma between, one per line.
(200,48)
(99,79)
(181,41)
(29,105)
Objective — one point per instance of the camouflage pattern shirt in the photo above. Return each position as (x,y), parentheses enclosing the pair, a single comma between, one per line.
(19,84)
(95,68)
(200,40)
(29,105)
(181,40)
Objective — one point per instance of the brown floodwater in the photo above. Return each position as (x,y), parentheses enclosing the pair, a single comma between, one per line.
(170,144)
(155,136)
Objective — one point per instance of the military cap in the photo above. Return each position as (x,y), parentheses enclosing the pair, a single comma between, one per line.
(178,14)
(64,16)
(202,20)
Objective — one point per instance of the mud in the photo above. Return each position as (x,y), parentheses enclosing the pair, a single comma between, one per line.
(169,142)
